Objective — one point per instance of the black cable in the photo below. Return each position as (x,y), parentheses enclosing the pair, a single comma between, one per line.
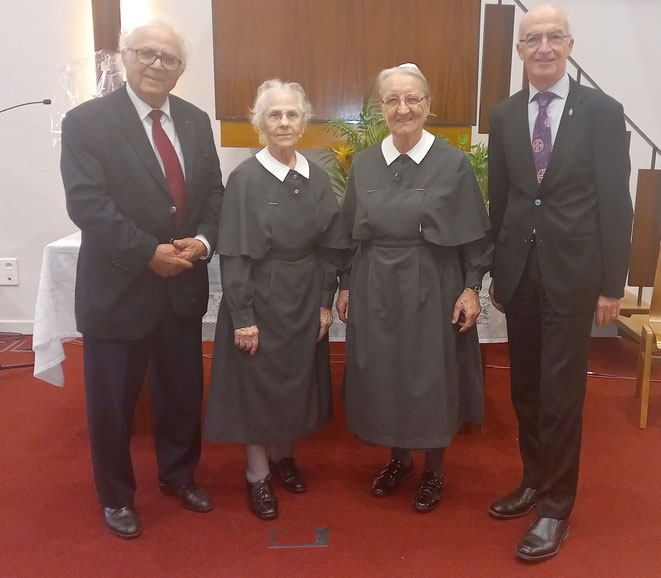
(44,101)
(589,373)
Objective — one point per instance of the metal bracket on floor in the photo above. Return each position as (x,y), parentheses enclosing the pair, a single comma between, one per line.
(299,538)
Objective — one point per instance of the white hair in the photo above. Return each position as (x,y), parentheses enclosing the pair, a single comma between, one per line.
(264,94)
(127,37)
(407,68)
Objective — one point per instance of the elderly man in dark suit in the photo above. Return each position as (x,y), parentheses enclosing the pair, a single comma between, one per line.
(561,215)
(143,183)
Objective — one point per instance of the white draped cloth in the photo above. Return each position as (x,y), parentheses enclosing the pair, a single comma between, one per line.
(54,320)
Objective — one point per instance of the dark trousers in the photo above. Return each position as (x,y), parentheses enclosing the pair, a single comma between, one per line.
(114,373)
(549,360)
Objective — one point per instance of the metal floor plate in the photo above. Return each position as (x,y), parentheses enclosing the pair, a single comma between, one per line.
(299,538)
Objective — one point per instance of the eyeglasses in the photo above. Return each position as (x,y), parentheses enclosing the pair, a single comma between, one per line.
(410,99)
(553,38)
(276,115)
(148,56)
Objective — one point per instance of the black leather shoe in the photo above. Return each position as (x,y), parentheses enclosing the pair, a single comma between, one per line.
(262,500)
(429,493)
(514,505)
(392,476)
(190,496)
(543,539)
(289,475)
(122,522)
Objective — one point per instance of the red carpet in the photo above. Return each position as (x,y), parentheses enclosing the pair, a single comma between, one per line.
(51,525)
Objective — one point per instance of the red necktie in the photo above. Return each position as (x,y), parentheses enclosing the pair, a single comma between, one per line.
(171,165)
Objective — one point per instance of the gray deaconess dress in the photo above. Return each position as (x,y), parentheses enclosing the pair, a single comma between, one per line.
(280,244)
(421,234)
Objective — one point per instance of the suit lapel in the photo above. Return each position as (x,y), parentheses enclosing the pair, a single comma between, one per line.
(135,134)
(570,122)
(521,128)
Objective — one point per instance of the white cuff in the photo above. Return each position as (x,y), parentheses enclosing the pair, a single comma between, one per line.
(206,244)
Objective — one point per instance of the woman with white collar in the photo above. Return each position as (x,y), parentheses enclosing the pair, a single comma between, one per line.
(281,241)
(417,219)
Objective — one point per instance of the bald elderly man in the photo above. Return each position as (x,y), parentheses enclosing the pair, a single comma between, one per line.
(561,216)
(143,184)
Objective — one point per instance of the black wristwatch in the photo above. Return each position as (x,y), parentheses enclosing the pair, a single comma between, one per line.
(476,288)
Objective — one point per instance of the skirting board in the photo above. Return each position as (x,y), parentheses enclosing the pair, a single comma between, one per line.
(14,326)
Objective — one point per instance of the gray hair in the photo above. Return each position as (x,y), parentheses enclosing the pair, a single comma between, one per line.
(127,37)
(264,94)
(410,69)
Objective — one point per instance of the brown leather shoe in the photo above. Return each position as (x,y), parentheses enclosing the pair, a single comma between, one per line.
(191,496)
(289,475)
(392,476)
(122,522)
(543,539)
(429,493)
(514,505)
(262,500)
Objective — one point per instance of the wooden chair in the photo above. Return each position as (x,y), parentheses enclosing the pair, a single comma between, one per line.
(650,346)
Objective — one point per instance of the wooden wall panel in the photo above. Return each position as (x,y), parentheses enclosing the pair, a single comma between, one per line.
(242,135)
(335,49)
(496,59)
(107,24)
(646,228)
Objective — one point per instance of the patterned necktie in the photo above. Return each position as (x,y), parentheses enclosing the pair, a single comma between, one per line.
(541,135)
(171,165)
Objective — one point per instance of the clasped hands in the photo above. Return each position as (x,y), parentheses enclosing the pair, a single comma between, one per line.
(172,258)
(247,338)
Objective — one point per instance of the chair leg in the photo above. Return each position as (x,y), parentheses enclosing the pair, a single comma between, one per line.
(646,365)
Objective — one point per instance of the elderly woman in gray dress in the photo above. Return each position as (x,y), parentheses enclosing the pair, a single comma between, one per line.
(280,239)
(411,297)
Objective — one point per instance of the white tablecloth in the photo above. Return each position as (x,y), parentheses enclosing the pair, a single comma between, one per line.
(55,323)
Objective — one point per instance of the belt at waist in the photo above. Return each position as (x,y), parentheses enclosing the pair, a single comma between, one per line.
(410,242)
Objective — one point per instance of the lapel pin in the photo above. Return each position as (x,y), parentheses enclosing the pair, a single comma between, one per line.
(571,112)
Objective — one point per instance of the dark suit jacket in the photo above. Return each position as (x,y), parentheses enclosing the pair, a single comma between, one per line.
(118,196)
(582,210)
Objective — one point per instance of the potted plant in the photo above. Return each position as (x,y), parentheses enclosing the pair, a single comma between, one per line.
(370,128)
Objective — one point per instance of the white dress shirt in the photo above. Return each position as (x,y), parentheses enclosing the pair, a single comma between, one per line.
(555,107)
(143,110)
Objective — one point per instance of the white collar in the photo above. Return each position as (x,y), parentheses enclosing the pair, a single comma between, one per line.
(416,154)
(143,108)
(560,88)
(280,171)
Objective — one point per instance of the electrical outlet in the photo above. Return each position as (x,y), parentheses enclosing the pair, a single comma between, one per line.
(8,271)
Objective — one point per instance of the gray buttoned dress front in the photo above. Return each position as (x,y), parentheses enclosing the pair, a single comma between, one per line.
(281,244)
(421,236)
